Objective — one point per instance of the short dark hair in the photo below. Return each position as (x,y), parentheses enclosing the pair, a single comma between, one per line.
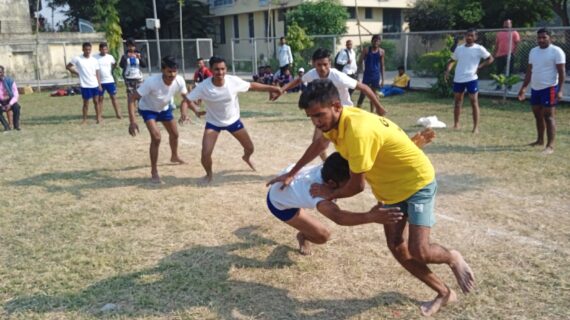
(131,42)
(103,45)
(321,53)
(401,68)
(199,59)
(544,30)
(335,168)
(169,62)
(215,59)
(320,91)
(282,38)
(86,44)
(376,36)
(2,68)
(471,30)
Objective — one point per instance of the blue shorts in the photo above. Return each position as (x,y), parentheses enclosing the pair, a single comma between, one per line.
(111,88)
(419,207)
(374,84)
(88,93)
(471,86)
(283,215)
(231,128)
(547,97)
(165,115)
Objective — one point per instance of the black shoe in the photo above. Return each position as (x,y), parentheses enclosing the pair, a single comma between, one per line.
(17,128)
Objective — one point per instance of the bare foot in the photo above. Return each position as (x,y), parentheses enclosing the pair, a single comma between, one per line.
(119,116)
(177,160)
(475,131)
(304,247)
(100,120)
(431,307)
(548,150)
(155,179)
(249,163)
(83,122)
(456,127)
(536,144)
(462,272)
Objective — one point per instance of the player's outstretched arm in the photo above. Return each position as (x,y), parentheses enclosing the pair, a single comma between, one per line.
(314,150)
(376,214)
(296,82)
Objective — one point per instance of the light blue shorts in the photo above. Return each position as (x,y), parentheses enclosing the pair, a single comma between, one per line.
(419,207)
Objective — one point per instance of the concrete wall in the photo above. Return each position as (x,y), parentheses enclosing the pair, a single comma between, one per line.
(55,50)
(14,17)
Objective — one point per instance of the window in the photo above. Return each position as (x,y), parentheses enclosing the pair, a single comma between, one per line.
(266,23)
(251,25)
(351,12)
(236,27)
(367,13)
(219,3)
(222,30)
(392,20)
(281,15)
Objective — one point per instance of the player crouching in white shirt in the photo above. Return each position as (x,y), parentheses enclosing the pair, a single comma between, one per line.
(220,95)
(156,105)
(288,204)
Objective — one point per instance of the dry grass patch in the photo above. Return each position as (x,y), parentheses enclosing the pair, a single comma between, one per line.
(84,235)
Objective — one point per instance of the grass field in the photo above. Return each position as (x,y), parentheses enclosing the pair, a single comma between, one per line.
(84,235)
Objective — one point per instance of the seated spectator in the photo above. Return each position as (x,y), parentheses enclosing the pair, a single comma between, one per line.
(303,85)
(9,102)
(267,76)
(202,73)
(399,86)
(258,77)
(283,79)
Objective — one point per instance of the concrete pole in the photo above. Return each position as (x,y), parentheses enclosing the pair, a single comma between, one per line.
(156,33)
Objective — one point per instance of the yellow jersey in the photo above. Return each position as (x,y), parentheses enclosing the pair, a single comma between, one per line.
(401,81)
(393,165)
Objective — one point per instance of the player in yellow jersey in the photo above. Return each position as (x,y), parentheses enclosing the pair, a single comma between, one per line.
(400,175)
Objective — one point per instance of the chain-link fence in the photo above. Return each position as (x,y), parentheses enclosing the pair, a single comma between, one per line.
(186,52)
(417,52)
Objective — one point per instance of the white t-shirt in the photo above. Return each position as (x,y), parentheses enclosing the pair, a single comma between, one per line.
(468,59)
(222,104)
(87,68)
(297,194)
(106,63)
(544,61)
(340,80)
(156,95)
(284,55)
(343,57)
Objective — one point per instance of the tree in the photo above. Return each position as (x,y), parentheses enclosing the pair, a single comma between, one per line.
(430,15)
(321,17)
(298,41)
(109,22)
(197,22)
(560,7)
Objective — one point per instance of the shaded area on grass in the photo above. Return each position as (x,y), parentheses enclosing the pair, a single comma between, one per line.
(454,184)
(79,182)
(199,277)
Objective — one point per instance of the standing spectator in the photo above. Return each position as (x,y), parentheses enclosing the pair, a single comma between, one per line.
(202,73)
(347,59)
(131,63)
(546,75)
(373,58)
(468,57)
(107,65)
(9,102)
(87,68)
(284,55)
(506,41)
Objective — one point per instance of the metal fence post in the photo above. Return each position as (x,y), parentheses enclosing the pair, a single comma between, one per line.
(254,67)
(148,60)
(233,58)
(406,53)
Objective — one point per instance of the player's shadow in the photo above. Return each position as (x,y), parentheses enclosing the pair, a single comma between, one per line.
(448,149)
(198,278)
(459,183)
(80,182)
(53,120)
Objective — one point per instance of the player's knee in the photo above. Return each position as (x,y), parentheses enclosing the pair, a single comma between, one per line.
(155,138)
(419,253)
(398,247)
(174,135)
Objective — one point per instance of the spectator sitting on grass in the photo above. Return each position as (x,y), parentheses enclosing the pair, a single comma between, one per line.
(399,86)
(283,79)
